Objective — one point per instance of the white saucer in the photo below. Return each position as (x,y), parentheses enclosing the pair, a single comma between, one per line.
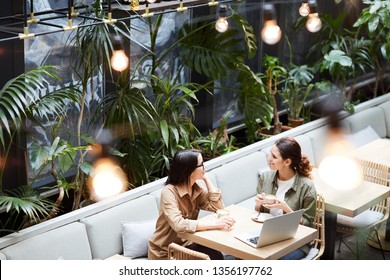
(260,218)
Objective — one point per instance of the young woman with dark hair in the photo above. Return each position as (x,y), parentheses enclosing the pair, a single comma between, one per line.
(181,200)
(290,181)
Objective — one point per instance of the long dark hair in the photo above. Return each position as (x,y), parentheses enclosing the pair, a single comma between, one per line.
(289,148)
(183,164)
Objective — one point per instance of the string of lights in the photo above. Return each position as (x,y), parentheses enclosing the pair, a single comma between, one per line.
(14,31)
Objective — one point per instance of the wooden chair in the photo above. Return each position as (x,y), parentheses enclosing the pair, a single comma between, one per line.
(318,244)
(178,252)
(365,226)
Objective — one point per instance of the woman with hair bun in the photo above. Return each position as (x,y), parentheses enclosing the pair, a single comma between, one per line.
(290,181)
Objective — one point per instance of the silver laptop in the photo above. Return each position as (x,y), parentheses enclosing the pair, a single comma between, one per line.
(273,230)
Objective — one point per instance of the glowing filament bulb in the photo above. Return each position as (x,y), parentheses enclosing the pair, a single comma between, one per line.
(304,10)
(313,23)
(119,60)
(221,25)
(271,32)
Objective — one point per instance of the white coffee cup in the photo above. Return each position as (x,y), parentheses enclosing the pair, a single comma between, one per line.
(221,213)
(269,199)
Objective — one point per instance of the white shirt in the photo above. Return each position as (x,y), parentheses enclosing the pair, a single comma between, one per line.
(283,187)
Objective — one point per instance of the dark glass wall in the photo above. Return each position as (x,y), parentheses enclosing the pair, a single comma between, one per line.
(12,64)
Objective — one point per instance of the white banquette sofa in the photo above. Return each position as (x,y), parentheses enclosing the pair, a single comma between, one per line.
(121,225)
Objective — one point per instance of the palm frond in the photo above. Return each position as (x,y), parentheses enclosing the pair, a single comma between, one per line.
(127,107)
(20,98)
(24,200)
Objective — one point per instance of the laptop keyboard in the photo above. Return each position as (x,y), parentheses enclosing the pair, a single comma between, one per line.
(253,240)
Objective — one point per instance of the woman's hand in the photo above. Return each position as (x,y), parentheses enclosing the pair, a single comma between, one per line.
(224,222)
(259,201)
(221,223)
(279,204)
(209,185)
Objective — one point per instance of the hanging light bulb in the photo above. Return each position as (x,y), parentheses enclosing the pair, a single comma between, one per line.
(271,32)
(313,23)
(337,168)
(304,10)
(107,178)
(119,59)
(221,25)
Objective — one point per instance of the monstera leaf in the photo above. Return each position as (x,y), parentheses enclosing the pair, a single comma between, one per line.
(209,52)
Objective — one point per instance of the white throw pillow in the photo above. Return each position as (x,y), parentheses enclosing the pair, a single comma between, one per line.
(135,237)
(363,136)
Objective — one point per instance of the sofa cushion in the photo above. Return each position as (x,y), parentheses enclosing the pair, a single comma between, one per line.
(318,139)
(238,179)
(104,228)
(372,116)
(69,242)
(363,137)
(386,112)
(157,195)
(135,237)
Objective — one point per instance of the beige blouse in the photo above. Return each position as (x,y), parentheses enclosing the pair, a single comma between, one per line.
(178,213)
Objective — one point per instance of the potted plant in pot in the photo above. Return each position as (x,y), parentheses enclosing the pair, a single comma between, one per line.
(272,78)
(217,142)
(296,90)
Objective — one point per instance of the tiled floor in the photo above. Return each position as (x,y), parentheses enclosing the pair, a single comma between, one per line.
(369,253)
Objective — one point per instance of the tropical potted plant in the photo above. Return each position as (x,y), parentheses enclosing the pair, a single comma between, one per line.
(272,78)
(345,56)
(216,143)
(296,90)
(374,21)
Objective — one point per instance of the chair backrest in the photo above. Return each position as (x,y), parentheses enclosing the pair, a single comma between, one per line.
(178,252)
(375,172)
(319,223)
(379,174)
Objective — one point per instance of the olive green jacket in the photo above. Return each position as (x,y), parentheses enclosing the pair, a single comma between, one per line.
(302,194)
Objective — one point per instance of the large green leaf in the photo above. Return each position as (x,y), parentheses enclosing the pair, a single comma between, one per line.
(165,132)
(249,35)
(338,57)
(209,52)
(39,155)
(66,156)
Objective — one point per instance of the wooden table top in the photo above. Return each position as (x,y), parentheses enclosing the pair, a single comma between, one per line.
(224,240)
(350,202)
(376,151)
